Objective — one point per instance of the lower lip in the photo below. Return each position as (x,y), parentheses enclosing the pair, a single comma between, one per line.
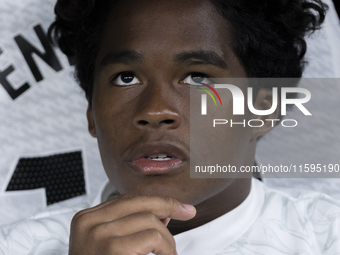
(149,166)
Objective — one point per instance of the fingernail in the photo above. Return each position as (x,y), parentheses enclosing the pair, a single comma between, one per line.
(188,207)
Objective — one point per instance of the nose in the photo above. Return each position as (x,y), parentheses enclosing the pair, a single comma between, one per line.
(157,110)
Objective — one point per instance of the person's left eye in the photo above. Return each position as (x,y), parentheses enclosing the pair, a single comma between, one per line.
(125,79)
(196,79)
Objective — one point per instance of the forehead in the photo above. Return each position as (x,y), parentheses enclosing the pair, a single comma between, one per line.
(164,25)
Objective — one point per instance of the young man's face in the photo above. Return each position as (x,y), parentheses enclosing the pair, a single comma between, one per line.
(145,111)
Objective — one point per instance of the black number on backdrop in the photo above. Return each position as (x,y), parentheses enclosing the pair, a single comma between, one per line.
(62,175)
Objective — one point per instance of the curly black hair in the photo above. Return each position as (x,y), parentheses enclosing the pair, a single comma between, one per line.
(267,35)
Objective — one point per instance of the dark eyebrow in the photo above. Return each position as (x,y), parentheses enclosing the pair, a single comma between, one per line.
(201,57)
(121,57)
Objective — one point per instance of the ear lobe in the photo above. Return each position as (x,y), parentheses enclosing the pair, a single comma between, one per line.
(90,120)
(264,101)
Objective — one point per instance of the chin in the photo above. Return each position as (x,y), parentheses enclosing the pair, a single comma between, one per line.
(158,189)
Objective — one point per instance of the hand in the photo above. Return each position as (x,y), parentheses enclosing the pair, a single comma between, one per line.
(128,225)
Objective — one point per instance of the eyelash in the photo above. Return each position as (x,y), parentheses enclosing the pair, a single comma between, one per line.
(198,74)
(135,76)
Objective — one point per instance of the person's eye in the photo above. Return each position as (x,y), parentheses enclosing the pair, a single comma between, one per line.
(125,79)
(196,79)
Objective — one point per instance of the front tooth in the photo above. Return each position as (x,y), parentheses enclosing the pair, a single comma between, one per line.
(160,159)
(158,156)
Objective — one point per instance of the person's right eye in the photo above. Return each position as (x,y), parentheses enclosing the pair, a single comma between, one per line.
(125,79)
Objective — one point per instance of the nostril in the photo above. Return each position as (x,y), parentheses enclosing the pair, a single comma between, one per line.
(168,121)
(142,122)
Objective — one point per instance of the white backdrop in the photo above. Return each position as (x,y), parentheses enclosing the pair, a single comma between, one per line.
(319,142)
(48,118)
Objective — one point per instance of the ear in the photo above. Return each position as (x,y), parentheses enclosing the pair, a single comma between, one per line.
(264,101)
(90,120)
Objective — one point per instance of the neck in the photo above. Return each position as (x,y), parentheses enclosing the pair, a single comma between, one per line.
(215,206)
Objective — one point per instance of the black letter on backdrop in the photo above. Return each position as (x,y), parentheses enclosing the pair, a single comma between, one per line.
(48,56)
(14,93)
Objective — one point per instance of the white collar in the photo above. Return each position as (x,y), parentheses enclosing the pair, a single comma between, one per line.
(218,234)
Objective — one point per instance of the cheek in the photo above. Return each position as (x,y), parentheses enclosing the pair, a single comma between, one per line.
(110,113)
(110,125)
(112,121)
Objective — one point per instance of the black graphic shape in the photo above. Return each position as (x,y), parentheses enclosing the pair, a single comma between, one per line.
(62,175)
(14,93)
(28,49)
(337,6)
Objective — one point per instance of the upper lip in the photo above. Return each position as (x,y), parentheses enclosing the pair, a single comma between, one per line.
(154,148)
